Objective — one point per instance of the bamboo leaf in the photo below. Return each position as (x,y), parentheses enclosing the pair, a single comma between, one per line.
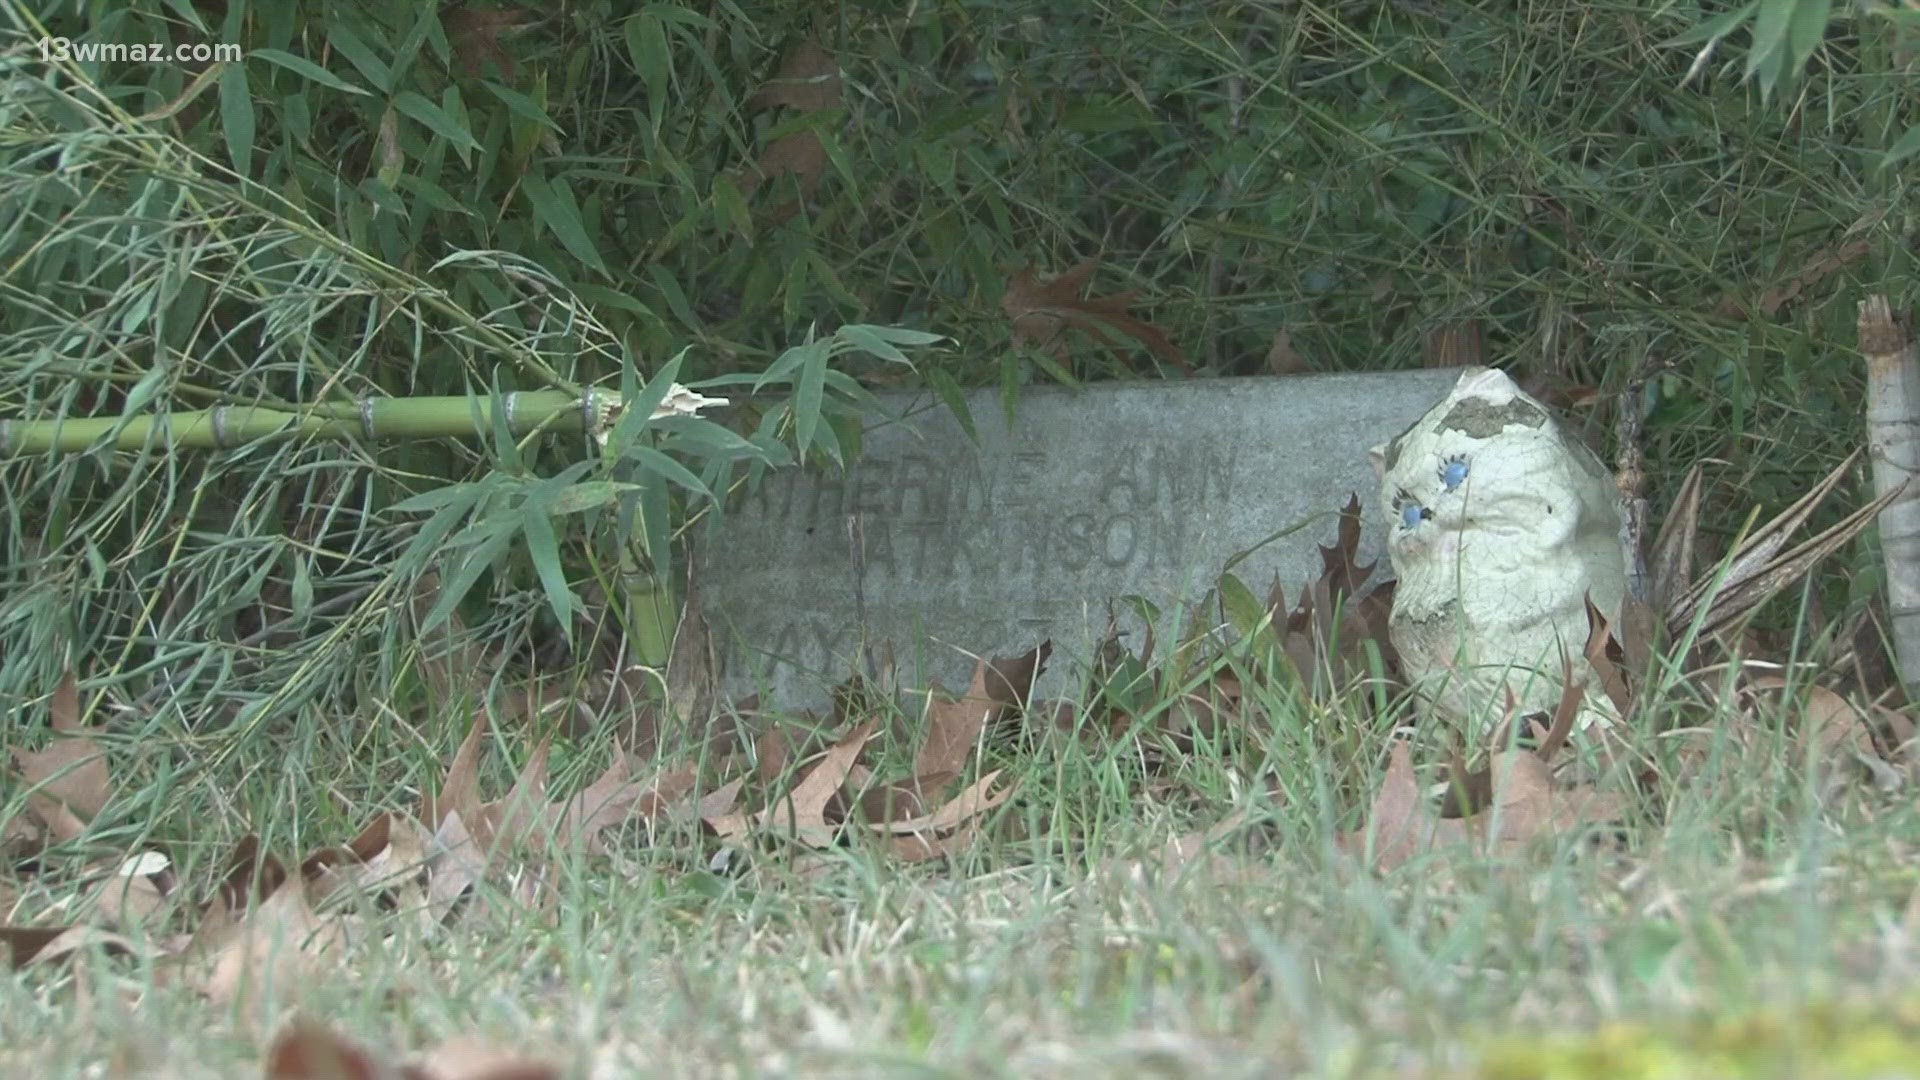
(1717,27)
(543,547)
(808,395)
(864,339)
(660,464)
(955,400)
(589,495)
(1906,147)
(492,537)
(899,335)
(348,44)
(436,119)
(521,105)
(553,204)
(306,69)
(647,48)
(236,117)
(143,392)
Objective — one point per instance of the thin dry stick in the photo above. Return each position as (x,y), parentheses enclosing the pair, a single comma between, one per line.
(1631,477)
(1893,439)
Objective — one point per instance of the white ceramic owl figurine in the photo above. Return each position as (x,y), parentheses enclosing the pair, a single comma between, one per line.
(1501,525)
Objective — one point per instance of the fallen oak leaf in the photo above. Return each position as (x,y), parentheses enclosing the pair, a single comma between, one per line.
(356,866)
(1832,728)
(279,944)
(977,799)
(1527,806)
(45,944)
(304,1050)
(135,890)
(802,814)
(307,1051)
(925,847)
(518,820)
(1043,311)
(455,865)
(718,813)
(1400,824)
(68,783)
(1010,679)
(808,81)
(953,727)
(460,790)
(479,1061)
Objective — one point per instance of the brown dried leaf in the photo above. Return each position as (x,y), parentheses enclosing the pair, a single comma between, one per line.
(252,874)
(1608,658)
(69,783)
(925,847)
(1401,825)
(802,814)
(1831,727)
(1010,679)
(135,891)
(808,81)
(1043,311)
(977,799)
(881,803)
(1281,357)
(457,863)
(801,155)
(717,809)
(474,33)
(1823,265)
(359,866)
(517,822)
(954,727)
(45,944)
(1527,807)
(460,791)
(307,1051)
(280,942)
(478,1061)
(610,800)
(770,754)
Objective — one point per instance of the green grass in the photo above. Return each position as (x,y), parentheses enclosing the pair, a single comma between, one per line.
(1063,943)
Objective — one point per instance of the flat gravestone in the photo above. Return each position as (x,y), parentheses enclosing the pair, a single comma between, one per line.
(943,547)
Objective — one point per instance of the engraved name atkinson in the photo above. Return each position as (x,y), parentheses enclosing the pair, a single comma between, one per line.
(953,524)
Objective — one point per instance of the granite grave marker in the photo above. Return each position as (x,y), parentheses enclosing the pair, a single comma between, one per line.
(944,547)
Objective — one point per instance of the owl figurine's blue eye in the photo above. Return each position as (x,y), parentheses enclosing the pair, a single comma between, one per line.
(1411,512)
(1454,472)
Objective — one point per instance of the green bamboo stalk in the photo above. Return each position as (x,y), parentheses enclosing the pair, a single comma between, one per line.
(227,426)
(650,613)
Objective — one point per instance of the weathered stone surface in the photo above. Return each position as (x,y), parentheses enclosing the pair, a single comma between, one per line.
(944,547)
